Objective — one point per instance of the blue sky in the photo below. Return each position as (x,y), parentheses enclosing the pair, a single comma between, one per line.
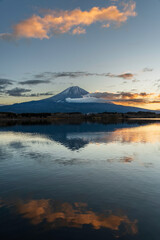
(106,53)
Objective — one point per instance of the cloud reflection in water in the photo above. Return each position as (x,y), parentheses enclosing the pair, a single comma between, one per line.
(55,215)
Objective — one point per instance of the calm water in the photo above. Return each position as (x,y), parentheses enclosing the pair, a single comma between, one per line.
(88,181)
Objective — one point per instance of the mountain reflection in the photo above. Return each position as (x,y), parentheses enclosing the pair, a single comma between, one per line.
(75,137)
(57,215)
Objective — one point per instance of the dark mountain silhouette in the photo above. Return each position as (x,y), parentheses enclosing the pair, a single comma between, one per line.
(58,103)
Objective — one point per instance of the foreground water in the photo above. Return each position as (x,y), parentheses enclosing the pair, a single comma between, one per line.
(88,181)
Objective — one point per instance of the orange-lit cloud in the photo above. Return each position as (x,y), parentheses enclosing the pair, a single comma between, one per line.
(121,95)
(128,98)
(77,215)
(142,99)
(74,21)
(126,75)
(78,30)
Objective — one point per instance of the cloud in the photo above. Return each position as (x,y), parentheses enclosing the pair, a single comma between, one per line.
(78,30)
(119,95)
(126,98)
(5,82)
(77,74)
(72,74)
(126,76)
(17,92)
(124,95)
(21,92)
(39,94)
(7,36)
(147,69)
(129,95)
(54,75)
(85,99)
(106,25)
(58,215)
(122,98)
(60,22)
(135,80)
(34,82)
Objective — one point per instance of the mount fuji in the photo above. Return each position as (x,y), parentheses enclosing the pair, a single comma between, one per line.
(71,92)
(70,100)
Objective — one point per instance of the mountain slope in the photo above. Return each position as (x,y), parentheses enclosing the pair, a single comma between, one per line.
(58,103)
(72,92)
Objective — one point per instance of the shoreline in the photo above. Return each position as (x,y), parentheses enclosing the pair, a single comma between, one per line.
(75,118)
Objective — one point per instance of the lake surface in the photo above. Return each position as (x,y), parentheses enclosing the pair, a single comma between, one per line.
(87,181)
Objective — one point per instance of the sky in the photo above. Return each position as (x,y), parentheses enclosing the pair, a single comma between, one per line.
(108,47)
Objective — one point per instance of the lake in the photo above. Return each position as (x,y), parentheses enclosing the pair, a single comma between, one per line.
(80,181)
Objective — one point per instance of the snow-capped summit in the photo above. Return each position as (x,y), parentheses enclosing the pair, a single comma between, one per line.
(71,92)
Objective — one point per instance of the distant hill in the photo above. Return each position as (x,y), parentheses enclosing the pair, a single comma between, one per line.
(60,103)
